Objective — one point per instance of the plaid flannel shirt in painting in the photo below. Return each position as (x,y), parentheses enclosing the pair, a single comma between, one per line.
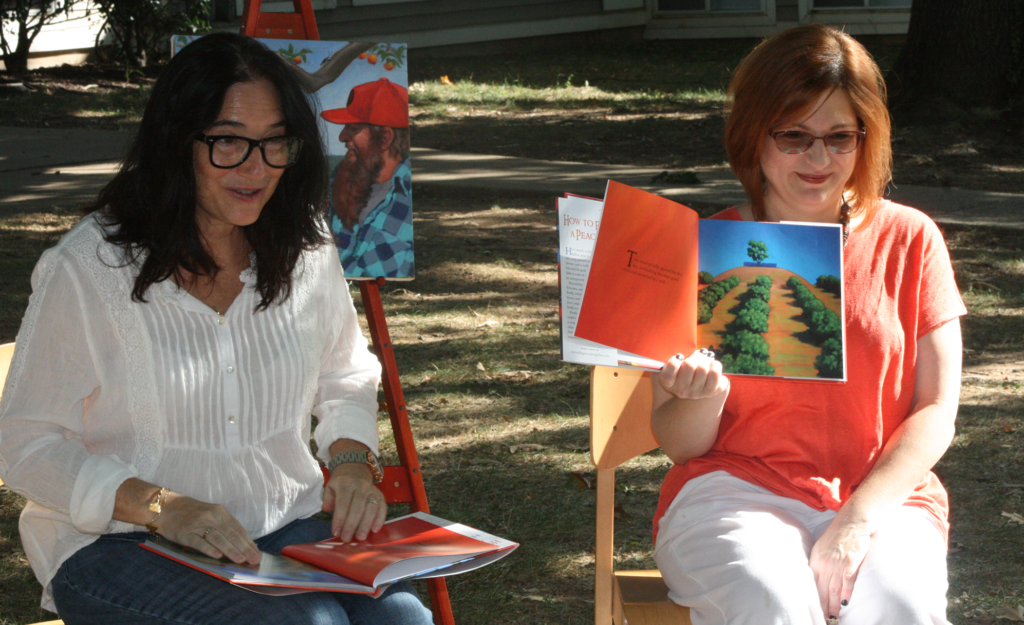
(381,246)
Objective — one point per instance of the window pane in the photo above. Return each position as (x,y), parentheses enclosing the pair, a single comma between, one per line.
(898,4)
(736,5)
(680,5)
(837,4)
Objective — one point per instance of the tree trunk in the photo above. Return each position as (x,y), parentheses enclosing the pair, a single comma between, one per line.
(966,52)
(16,60)
(29,16)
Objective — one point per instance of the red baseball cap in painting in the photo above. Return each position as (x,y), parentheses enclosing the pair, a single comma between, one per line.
(381,103)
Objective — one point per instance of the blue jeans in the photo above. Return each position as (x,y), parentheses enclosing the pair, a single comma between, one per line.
(114,581)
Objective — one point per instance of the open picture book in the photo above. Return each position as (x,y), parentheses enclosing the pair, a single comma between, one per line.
(415,546)
(643,278)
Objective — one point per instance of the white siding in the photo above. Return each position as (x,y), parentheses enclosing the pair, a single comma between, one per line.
(67,39)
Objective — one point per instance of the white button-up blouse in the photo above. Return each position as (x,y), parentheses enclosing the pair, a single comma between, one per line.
(103,388)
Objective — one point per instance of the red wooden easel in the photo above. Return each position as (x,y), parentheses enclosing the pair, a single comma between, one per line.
(402,483)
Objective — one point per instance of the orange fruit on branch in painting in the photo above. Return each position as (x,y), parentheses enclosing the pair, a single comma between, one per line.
(389,66)
(362,56)
(298,60)
(372,59)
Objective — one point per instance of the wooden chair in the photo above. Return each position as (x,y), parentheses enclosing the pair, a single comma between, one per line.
(620,407)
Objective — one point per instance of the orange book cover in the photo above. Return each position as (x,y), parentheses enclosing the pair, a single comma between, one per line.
(634,256)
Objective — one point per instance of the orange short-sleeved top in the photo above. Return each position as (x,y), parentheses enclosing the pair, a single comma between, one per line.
(816,441)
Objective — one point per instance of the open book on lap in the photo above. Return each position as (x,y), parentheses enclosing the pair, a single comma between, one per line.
(415,546)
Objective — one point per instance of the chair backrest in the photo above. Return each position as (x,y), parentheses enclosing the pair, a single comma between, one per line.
(620,416)
(6,353)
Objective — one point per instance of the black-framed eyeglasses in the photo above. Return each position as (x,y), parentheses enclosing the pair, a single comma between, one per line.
(798,142)
(228,151)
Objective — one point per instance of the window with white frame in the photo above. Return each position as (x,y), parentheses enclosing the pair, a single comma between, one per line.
(712,6)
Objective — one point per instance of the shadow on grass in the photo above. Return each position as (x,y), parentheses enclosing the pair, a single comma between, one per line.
(468,420)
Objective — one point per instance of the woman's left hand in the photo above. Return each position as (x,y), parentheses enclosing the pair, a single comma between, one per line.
(835,559)
(358,506)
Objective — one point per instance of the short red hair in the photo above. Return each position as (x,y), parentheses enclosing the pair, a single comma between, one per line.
(779,82)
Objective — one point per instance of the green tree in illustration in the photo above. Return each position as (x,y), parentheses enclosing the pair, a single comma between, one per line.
(829,284)
(757,251)
(753,320)
(704,312)
(826,324)
(746,363)
(745,342)
(759,291)
(829,362)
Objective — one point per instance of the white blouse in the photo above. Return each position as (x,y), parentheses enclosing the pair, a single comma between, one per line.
(103,388)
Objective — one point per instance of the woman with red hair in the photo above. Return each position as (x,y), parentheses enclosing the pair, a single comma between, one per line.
(797,502)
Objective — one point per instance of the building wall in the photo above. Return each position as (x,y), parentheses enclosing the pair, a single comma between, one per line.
(429,23)
(693,19)
(67,40)
(437,23)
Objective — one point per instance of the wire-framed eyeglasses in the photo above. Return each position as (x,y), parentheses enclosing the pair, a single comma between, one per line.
(228,151)
(798,142)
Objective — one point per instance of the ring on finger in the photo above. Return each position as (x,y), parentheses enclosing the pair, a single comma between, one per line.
(207,531)
(371,500)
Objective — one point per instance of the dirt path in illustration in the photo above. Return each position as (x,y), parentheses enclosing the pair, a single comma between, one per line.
(787,353)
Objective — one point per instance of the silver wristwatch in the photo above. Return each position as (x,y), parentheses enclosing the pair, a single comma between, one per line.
(362,457)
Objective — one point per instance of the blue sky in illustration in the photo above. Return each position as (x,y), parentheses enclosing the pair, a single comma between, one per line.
(807,250)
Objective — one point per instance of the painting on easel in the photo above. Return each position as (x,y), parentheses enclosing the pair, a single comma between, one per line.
(361,93)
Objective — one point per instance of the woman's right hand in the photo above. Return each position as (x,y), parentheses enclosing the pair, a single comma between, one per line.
(207,528)
(688,397)
(697,377)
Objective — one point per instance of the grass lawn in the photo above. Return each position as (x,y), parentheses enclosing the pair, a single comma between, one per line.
(502,429)
(501,423)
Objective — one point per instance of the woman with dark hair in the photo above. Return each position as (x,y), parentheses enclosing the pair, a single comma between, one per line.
(797,502)
(175,345)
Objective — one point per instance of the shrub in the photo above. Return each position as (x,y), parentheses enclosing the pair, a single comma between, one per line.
(704,277)
(703,312)
(829,362)
(141,29)
(825,324)
(829,284)
(745,363)
(746,342)
(753,320)
(758,305)
(711,295)
(756,290)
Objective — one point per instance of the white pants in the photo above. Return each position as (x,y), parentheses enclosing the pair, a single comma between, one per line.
(737,554)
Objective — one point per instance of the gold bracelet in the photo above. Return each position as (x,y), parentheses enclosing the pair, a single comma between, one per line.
(156,507)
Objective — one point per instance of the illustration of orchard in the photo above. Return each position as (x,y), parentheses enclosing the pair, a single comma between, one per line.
(770,318)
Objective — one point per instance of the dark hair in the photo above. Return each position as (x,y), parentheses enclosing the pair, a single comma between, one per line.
(779,82)
(399,147)
(149,208)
